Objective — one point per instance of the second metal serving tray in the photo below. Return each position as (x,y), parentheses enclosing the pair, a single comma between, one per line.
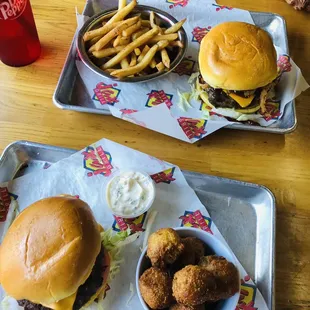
(243,212)
(70,92)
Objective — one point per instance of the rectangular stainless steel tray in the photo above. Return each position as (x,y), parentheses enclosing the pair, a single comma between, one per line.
(243,212)
(70,92)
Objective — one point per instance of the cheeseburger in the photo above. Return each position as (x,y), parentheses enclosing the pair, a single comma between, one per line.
(52,256)
(238,67)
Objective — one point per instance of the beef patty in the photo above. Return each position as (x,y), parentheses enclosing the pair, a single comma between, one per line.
(220,99)
(85,291)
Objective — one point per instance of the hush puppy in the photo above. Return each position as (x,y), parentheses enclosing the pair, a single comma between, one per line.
(156,288)
(164,247)
(225,273)
(193,251)
(193,285)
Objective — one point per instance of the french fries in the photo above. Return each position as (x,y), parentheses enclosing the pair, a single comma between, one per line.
(176,43)
(160,67)
(121,73)
(124,63)
(100,31)
(143,53)
(114,33)
(130,30)
(139,33)
(152,19)
(165,58)
(117,40)
(169,37)
(137,51)
(121,4)
(133,60)
(128,41)
(107,52)
(122,13)
(153,63)
(94,40)
(176,27)
(124,40)
(162,44)
(130,47)
(146,23)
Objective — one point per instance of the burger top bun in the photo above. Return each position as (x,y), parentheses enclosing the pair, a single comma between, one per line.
(49,250)
(237,56)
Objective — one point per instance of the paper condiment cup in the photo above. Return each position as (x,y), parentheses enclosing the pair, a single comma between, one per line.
(134,214)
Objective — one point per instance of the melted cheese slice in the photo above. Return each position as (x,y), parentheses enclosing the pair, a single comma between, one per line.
(243,102)
(64,304)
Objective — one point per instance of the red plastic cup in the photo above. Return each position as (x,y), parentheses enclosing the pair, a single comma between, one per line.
(19,41)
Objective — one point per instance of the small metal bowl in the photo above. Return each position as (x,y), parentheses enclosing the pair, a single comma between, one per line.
(162,18)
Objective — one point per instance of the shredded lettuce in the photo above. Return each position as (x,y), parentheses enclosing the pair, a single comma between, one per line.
(132,293)
(184,99)
(113,243)
(5,303)
(193,77)
(236,115)
(99,305)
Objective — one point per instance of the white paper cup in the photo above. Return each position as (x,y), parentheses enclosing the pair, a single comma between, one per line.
(213,246)
(134,214)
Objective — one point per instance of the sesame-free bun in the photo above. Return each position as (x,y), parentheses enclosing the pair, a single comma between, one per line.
(237,56)
(49,250)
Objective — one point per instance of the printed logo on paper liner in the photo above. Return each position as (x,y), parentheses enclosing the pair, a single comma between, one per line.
(156,97)
(196,220)
(199,33)
(128,111)
(97,161)
(135,224)
(106,93)
(174,3)
(284,63)
(186,67)
(193,128)
(221,7)
(5,201)
(247,295)
(165,176)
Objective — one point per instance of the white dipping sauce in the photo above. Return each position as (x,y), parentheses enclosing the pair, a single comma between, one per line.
(130,193)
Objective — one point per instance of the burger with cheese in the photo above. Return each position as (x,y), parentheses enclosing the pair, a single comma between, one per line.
(52,256)
(238,67)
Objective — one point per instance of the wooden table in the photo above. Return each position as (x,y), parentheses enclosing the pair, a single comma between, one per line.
(278,162)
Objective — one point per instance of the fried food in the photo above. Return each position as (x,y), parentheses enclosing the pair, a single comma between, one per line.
(226,275)
(130,47)
(183,307)
(193,285)
(164,247)
(156,288)
(193,251)
(124,27)
(120,73)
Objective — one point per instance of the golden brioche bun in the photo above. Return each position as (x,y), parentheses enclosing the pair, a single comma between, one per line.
(237,56)
(49,250)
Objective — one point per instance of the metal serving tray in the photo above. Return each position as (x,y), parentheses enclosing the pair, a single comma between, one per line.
(70,92)
(243,212)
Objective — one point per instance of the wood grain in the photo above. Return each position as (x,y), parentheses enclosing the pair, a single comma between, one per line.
(278,162)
